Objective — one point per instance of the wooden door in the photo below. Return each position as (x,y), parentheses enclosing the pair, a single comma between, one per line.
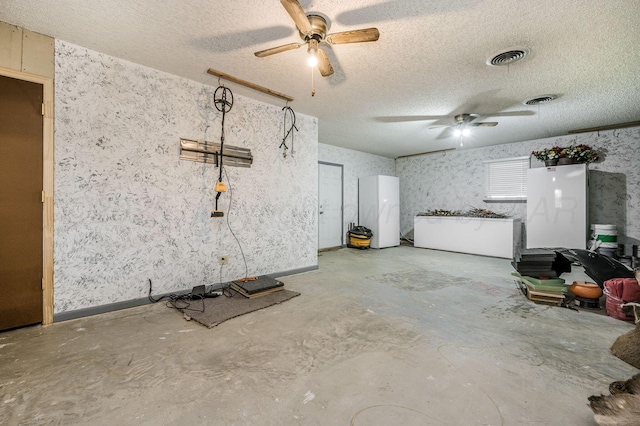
(20,202)
(329,205)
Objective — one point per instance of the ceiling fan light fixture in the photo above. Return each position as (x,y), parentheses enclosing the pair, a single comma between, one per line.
(313,28)
(461,131)
(312,50)
(508,57)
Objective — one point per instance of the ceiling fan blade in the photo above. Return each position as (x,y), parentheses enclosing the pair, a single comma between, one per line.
(446,133)
(402,118)
(523,113)
(438,126)
(278,49)
(484,124)
(355,36)
(297,14)
(324,65)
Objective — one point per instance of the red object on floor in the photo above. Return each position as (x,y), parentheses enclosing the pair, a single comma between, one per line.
(620,291)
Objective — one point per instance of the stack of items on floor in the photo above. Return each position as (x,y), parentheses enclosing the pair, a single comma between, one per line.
(253,287)
(539,271)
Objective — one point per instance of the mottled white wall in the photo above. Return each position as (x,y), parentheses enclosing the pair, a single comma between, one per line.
(454,180)
(127,209)
(356,165)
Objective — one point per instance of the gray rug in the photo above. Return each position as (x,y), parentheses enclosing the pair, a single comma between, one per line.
(218,310)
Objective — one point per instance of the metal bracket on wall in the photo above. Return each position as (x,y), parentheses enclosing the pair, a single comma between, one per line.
(207,152)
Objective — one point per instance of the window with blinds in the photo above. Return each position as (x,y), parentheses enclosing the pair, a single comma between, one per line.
(506,179)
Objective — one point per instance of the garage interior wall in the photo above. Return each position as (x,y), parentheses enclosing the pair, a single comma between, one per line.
(454,180)
(356,165)
(127,209)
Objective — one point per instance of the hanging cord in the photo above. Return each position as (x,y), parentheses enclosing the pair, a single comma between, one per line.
(226,290)
(224,105)
(246,268)
(292,115)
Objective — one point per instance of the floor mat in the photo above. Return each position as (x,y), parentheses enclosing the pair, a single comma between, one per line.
(220,309)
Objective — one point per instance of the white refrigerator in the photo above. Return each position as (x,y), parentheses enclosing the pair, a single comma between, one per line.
(557,206)
(379,209)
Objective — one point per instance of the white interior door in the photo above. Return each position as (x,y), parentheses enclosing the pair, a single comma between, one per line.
(329,205)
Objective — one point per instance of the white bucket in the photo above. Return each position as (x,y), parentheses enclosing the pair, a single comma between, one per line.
(606,251)
(605,233)
(604,227)
(594,245)
(613,246)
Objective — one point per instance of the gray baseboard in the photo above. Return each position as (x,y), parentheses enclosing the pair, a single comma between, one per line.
(109,307)
(126,304)
(293,271)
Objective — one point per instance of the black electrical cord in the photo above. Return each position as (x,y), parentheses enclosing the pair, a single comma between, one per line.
(226,290)
(151,299)
(292,115)
(244,259)
(246,268)
(185,299)
(174,299)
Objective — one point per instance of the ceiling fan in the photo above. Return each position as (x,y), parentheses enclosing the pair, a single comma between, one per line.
(313,29)
(462,121)
(462,124)
(458,119)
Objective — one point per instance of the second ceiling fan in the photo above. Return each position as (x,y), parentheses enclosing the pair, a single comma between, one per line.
(313,29)
(467,120)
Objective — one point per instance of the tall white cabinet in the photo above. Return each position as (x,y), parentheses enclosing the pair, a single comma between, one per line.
(557,206)
(379,209)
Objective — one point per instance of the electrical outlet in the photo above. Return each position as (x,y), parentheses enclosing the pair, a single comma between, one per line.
(223,260)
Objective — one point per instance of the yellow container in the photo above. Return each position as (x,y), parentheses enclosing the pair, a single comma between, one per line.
(359,241)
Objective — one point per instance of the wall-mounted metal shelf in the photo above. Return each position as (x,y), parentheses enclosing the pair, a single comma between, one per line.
(208,152)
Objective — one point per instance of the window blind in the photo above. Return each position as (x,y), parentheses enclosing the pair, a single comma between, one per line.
(506,179)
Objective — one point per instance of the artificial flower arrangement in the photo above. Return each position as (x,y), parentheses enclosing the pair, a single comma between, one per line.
(578,153)
(548,153)
(581,153)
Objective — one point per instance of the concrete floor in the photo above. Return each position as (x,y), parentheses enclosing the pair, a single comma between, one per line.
(399,336)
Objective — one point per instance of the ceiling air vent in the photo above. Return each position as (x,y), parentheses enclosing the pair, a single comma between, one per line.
(508,57)
(540,100)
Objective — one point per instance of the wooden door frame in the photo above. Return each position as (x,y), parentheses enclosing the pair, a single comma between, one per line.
(47,186)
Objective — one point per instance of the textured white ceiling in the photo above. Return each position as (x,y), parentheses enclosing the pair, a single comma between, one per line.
(430,60)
